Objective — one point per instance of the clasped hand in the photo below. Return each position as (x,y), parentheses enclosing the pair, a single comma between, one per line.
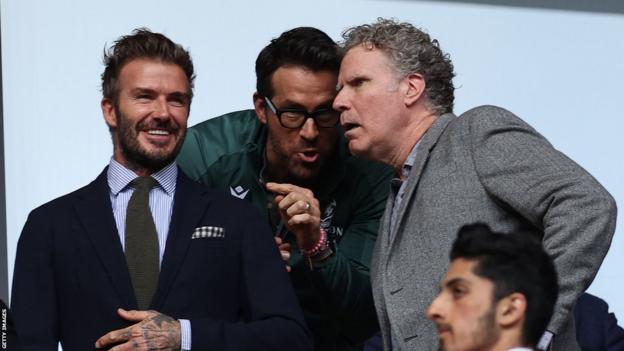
(154,331)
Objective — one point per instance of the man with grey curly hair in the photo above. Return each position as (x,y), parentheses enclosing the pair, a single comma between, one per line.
(396,102)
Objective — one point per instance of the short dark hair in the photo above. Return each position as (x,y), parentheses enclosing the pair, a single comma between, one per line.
(143,43)
(514,262)
(303,46)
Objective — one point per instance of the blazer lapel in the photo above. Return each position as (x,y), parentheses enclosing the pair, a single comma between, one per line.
(190,203)
(380,254)
(427,143)
(96,215)
(383,236)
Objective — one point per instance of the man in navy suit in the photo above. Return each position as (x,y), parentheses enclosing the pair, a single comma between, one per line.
(218,280)
(596,327)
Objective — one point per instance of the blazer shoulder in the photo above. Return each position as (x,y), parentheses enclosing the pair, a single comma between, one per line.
(591,304)
(485,121)
(65,202)
(596,327)
(489,115)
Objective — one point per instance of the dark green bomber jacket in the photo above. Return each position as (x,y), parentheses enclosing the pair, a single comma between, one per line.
(227,153)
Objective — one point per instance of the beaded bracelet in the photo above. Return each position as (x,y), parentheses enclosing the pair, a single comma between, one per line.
(320,246)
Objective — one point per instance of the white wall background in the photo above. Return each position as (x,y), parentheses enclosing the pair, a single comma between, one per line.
(561,71)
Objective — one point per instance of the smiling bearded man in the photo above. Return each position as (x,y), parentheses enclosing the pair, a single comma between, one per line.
(143,257)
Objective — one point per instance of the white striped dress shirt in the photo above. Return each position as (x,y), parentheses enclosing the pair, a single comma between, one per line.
(160,199)
(161,205)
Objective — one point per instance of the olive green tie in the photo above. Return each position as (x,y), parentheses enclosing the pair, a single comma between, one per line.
(141,242)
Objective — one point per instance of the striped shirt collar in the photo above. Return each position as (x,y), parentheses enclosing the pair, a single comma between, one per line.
(119,177)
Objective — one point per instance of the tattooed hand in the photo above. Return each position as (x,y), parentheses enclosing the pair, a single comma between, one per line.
(154,332)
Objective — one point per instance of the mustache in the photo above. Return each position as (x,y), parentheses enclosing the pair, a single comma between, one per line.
(308,144)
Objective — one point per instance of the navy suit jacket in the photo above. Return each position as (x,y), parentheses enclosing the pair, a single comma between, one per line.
(71,275)
(596,328)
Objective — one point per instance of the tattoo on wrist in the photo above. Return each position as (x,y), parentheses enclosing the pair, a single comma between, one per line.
(161,332)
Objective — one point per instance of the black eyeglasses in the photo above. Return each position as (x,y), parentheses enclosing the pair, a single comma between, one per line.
(294,118)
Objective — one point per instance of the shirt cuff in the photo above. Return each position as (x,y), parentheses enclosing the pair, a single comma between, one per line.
(185,330)
(544,341)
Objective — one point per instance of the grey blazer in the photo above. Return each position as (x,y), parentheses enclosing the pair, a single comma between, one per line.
(488,166)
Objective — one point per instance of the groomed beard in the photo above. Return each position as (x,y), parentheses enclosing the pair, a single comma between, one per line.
(138,157)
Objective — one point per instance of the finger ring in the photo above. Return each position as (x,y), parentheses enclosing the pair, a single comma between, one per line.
(307,207)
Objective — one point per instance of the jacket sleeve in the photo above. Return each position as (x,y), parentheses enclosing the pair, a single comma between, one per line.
(577,215)
(596,328)
(344,279)
(614,333)
(272,318)
(33,304)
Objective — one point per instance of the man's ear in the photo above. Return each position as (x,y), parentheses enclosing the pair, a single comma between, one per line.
(511,310)
(108,110)
(260,107)
(415,88)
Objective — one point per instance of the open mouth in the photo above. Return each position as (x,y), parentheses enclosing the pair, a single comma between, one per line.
(348,126)
(309,156)
(349,129)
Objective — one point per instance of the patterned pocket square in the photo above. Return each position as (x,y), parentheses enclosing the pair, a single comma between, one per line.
(208,232)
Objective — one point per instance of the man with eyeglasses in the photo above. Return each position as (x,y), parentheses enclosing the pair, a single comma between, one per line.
(290,159)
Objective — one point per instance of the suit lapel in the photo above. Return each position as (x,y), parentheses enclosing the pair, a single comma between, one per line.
(383,237)
(95,212)
(380,254)
(190,203)
(427,143)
